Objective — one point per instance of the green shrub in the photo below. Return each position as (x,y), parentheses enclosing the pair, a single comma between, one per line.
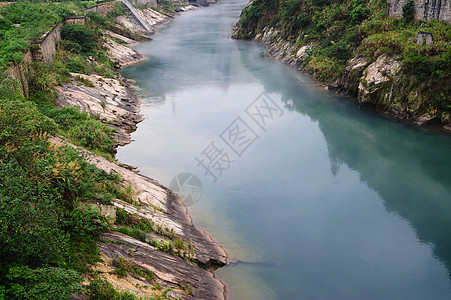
(324,68)
(134,232)
(408,10)
(43,283)
(10,88)
(81,35)
(70,46)
(417,64)
(35,18)
(100,289)
(93,134)
(423,66)
(99,20)
(127,219)
(251,17)
(42,222)
(359,11)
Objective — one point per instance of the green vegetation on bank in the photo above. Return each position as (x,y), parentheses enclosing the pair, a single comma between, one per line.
(47,230)
(49,218)
(338,30)
(25,21)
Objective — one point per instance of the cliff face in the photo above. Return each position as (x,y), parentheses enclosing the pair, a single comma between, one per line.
(425,10)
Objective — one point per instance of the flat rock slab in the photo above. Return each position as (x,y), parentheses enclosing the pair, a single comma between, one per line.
(109,99)
(170,271)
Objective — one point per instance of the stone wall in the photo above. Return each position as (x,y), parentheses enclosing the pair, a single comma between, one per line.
(76,20)
(148,3)
(203,2)
(103,8)
(425,10)
(20,73)
(44,49)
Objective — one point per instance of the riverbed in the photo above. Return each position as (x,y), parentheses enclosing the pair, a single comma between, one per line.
(312,197)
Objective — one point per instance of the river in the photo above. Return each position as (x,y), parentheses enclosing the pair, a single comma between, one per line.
(312,197)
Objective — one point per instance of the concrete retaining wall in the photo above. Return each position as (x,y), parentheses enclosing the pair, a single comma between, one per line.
(103,8)
(44,49)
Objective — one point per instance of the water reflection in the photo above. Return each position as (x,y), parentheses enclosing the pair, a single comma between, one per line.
(330,203)
(409,167)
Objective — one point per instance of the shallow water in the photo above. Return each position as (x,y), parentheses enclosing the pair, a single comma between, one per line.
(312,197)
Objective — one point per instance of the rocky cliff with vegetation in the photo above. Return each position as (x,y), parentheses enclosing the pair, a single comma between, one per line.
(425,10)
(396,63)
(73,222)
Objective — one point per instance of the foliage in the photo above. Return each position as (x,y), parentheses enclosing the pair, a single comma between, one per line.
(162,245)
(42,186)
(408,10)
(186,288)
(251,16)
(167,6)
(134,221)
(83,36)
(80,127)
(134,232)
(100,289)
(425,67)
(123,266)
(49,224)
(33,19)
(43,283)
(358,10)
(324,68)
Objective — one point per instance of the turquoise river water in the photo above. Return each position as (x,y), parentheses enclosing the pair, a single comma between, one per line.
(312,197)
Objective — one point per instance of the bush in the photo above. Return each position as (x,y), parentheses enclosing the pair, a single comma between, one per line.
(324,68)
(93,135)
(70,46)
(34,19)
(81,35)
(134,232)
(98,20)
(417,64)
(43,283)
(408,10)
(420,65)
(83,129)
(100,289)
(359,11)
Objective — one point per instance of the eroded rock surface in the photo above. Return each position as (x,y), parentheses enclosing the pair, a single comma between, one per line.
(164,208)
(111,100)
(170,271)
(120,54)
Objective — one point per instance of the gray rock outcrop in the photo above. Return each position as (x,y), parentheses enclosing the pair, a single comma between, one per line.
(425,10)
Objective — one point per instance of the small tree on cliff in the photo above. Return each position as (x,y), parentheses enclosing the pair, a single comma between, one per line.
(408,10)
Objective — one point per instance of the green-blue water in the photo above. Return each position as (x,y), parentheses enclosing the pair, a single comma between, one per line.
(321,200)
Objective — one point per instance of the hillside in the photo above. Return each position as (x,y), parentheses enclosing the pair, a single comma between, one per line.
(398,65)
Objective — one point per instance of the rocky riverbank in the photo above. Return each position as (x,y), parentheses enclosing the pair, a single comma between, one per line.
(184,271)
(176,258)
(390,69)
(381,84)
